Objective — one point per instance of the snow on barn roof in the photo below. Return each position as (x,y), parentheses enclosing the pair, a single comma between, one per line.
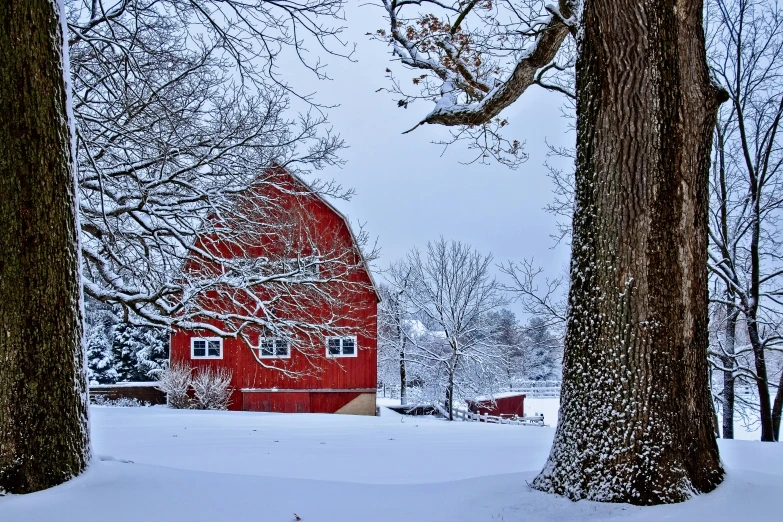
(418,329)
(494,396)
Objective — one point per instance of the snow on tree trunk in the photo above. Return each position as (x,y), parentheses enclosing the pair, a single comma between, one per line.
(636,416)
(44,439)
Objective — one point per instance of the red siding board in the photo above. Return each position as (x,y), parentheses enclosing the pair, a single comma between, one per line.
(279,402)
(296,402)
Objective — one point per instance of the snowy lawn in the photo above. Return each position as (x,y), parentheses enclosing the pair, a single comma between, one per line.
(231,466)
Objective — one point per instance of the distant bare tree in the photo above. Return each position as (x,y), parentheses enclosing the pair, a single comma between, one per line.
(746,56)
(396,337)
(543,299)
(451,285)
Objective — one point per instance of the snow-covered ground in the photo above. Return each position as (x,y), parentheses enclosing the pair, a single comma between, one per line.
(168,465)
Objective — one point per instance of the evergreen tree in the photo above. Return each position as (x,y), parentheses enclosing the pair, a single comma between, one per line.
(98,333)
(507,336)
(100,358)
(542,351)
(138,352)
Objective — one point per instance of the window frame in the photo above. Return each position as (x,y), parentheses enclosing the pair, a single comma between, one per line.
(274,339)
(341,354)
(206,356)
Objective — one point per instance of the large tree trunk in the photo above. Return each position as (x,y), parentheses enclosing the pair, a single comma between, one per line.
(728,375)
(636,415)
(43,410)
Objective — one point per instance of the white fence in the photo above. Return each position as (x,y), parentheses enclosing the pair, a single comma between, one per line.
(391,391)
(540,389)
(467,415)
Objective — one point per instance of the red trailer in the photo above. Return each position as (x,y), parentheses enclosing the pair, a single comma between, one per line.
(500,405)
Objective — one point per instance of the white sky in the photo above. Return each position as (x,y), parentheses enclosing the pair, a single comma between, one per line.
(407,193)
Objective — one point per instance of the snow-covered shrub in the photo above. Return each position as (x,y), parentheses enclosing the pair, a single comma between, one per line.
(175,382)
(211,388)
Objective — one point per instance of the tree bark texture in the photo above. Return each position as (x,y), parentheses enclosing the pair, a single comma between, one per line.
(43,408)
(636,415)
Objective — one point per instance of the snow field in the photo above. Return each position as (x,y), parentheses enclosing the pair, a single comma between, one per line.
(233,466)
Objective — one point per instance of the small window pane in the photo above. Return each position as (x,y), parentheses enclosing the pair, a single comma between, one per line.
(349,346)
(281,348)
(267,348)
(214,348)
(199,348)
(334,346)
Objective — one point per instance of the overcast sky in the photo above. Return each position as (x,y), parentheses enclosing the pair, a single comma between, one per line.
(407,193)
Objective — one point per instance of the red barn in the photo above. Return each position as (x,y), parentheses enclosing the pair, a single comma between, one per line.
(327,362)
(504,405)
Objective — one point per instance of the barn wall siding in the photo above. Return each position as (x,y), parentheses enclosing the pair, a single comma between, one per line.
(351,403)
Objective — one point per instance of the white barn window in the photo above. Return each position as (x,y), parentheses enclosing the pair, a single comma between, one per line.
(341,346)
(273,349)
(206,348)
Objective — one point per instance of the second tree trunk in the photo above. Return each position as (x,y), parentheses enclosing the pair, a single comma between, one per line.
(636,415)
